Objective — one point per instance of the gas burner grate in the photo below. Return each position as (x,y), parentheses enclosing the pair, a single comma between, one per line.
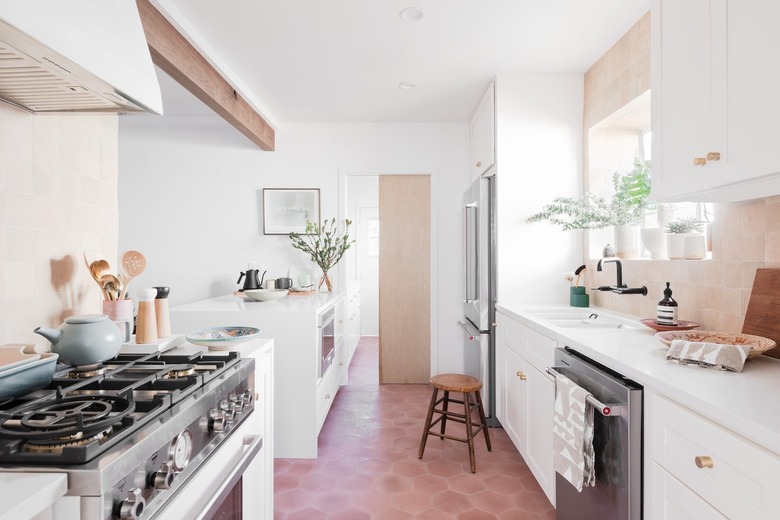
(66,417)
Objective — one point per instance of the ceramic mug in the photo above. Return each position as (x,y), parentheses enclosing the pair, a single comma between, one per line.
(121,313)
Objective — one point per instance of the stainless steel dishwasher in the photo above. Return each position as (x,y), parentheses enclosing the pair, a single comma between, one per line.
(617,441)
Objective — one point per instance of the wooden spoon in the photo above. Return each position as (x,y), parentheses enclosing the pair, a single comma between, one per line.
(131,265)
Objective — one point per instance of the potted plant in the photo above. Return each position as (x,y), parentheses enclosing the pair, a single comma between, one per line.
(623,210)
(684,239)
(324,245)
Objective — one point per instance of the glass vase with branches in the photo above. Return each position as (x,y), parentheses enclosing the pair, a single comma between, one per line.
(324,245)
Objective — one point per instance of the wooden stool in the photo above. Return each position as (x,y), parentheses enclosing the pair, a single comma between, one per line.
(466,385)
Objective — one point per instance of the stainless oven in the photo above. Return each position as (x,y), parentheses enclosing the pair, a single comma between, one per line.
(326,340)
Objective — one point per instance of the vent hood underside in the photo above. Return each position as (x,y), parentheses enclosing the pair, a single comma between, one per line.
(37,78)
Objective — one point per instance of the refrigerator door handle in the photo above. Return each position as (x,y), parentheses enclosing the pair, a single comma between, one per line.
(471,251)
(472,332)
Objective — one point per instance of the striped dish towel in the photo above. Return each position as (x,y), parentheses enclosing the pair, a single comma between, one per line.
(573,434)
(708,355)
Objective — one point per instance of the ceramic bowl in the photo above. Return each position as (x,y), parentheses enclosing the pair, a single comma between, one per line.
(266,295)
(222,337)
(758,344)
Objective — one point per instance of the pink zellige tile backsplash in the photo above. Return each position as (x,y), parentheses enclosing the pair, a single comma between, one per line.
(58,197)
(713,292)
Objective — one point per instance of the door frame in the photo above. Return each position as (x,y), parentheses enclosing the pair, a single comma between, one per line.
(344,173)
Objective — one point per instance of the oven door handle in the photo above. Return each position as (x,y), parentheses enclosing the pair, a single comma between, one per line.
(470,330)
(607,410)
(252,445)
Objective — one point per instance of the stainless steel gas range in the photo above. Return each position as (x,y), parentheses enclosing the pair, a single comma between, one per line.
(132,433)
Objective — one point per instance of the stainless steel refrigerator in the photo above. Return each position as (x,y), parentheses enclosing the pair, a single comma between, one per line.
(479,298)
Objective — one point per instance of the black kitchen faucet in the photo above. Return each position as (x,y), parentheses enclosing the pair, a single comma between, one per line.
(620,287)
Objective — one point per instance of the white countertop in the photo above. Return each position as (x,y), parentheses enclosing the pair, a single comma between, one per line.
(291,303)
(747,403)
(25,495)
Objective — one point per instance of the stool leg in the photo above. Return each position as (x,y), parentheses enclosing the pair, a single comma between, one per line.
(428,422)
(444,407)
(482,418)
(469,432)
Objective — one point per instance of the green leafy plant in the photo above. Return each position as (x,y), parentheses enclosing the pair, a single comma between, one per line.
(627,205)
(324,245)
(685,225)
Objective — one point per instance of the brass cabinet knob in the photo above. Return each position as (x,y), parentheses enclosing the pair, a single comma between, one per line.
(479,163)
(703,461)
(522,376)
(713,156)
(699,161)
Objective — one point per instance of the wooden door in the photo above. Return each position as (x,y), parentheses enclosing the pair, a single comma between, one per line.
(404,278)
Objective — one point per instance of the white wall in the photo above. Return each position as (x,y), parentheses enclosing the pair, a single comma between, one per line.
(539,157)
(190,189)
(363,203)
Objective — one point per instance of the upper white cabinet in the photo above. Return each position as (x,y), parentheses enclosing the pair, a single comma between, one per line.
(715,109)
(483,134)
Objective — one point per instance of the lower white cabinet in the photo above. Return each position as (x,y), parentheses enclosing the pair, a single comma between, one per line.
(525,396)
(258,479)
(699,466)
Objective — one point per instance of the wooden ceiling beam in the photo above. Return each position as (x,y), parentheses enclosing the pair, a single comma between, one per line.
(179,59)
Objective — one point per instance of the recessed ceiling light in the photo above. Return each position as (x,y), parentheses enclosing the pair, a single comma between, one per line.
(406,85)
(411,14)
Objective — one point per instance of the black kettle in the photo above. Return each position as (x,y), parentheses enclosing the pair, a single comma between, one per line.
(250,279)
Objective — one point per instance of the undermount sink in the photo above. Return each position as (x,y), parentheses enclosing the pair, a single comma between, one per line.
(588,324)
(578,318)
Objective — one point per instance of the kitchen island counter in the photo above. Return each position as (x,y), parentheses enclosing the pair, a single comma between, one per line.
(25,495)
(316,302)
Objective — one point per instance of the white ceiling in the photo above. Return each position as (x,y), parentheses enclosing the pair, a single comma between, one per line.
(342,60)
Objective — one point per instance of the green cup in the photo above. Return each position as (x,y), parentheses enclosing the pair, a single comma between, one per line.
(578,298)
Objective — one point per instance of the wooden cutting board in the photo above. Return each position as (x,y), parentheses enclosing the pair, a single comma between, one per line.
(763,313)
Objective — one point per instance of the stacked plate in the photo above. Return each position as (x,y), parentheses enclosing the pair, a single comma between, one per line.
(22,372)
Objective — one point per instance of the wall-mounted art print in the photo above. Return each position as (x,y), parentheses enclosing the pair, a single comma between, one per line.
(286,210)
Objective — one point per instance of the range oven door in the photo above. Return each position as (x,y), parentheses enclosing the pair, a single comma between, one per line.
(215,491)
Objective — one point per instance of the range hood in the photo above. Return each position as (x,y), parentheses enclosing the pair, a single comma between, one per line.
(76,56)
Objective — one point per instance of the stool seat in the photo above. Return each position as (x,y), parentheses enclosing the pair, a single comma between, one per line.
(469,387)
(456,383)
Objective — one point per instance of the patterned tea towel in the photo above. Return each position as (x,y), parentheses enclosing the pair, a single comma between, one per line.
(708,355)
(573,434)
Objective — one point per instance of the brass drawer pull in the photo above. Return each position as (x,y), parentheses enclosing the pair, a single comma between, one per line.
(522,376)
(479,163)
(699,161)
(713,156)
(704,461)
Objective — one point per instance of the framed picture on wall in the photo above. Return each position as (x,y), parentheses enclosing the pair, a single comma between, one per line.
(286,210)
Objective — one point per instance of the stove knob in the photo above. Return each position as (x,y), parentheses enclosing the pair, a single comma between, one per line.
(248,397)
(164,476)
(220,422)
(230,413)
(132,507)
(233,398)
(224,404)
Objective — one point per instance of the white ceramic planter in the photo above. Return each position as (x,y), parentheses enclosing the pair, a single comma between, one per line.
(690,246)
(654,240)
(627,241)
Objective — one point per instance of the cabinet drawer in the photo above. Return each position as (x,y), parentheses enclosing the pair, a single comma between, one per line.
(513,334)
(539,349)
(743,480)
(671,500)
(326,392)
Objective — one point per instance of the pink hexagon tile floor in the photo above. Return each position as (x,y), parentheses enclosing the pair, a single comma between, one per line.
(368,467)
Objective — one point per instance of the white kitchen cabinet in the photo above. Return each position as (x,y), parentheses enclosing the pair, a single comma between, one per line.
(258,479)
(697,458)
(483,134)
(526,396)
(714,101)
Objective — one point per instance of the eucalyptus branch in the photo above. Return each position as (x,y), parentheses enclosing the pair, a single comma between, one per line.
(323,243)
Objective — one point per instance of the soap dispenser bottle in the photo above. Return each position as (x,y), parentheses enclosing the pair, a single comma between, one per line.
(667,309)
